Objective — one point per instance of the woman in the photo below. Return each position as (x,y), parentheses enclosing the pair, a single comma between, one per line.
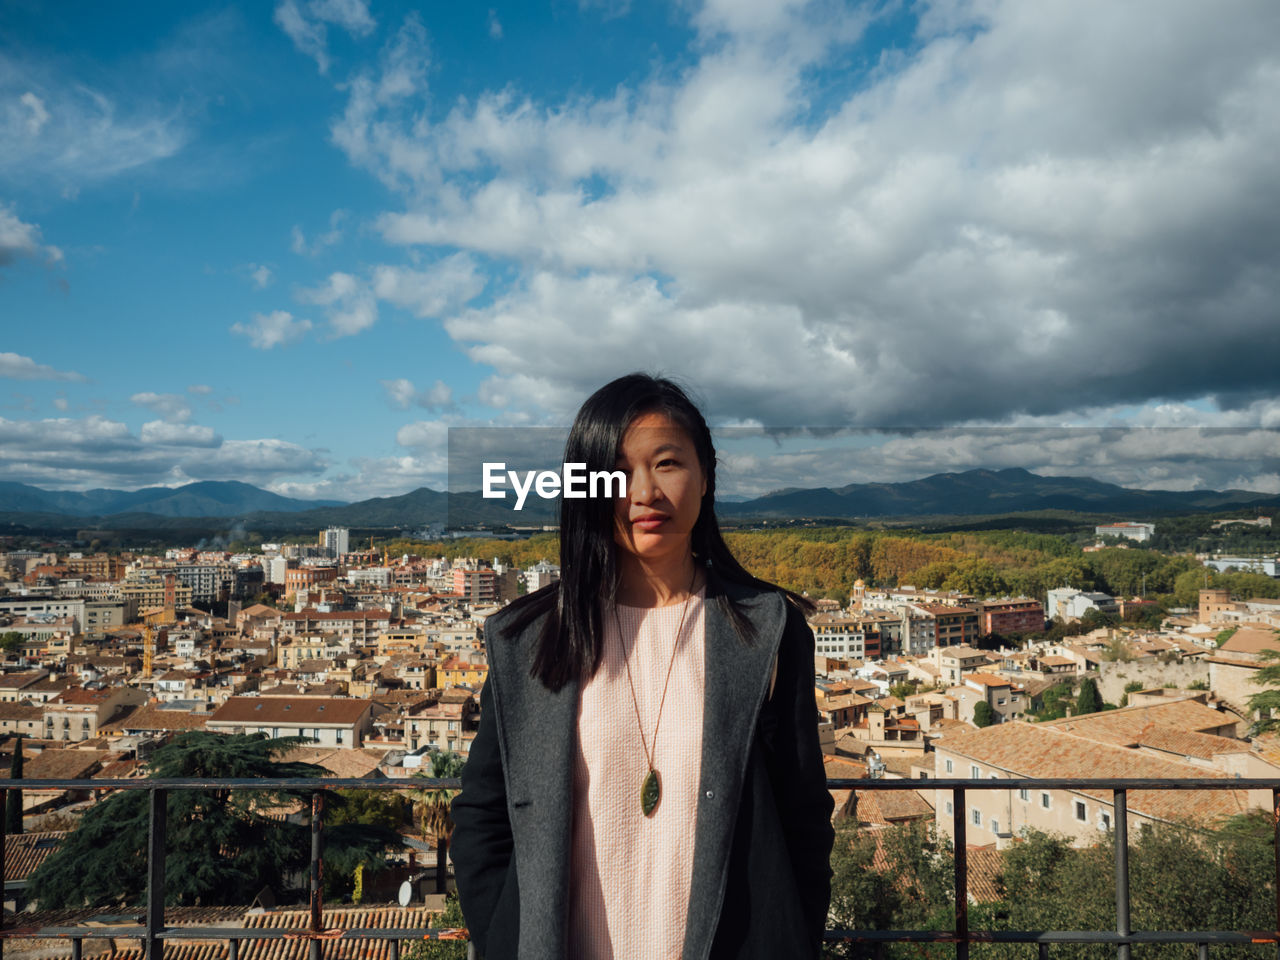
(647,779)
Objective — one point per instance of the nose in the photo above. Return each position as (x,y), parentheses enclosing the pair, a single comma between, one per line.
(643,487)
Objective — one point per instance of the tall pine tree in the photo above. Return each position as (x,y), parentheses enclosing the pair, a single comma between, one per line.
(1088,700)
(13,801)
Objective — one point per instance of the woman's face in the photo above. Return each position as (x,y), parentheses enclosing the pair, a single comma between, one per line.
(665,486)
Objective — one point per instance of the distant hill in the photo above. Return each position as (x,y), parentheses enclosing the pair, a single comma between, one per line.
(970,493)
(212,498)
(976,492)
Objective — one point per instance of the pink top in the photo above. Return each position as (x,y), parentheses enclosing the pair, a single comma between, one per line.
(630,874)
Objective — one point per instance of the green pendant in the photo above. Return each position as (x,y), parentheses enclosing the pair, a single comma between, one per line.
(649,793)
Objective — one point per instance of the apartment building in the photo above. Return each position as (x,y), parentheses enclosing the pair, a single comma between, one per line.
(1011,615)
(1020,750)
(76,713)
(330,721)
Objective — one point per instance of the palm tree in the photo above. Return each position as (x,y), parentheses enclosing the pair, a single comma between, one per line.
(433,805)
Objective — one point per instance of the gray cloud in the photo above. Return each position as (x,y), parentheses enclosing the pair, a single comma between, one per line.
(1038,209)
(79,454)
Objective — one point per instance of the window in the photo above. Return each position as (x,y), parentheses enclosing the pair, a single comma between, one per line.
(1081,813)
(950,768)
(924,775)
(977,817)
(995,826)
(1104,820)
(1000,701)
(339,733)
(1044,800)
(975,771)
(950,809)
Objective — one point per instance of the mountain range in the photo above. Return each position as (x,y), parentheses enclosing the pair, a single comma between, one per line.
(970,493)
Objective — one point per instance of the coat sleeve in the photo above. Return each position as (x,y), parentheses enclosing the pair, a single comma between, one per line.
(799,776)
(482,840)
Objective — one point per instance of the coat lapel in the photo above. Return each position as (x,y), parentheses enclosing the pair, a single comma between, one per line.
(737,678)
(539,728)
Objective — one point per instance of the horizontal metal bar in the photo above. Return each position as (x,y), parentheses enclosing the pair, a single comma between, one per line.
(834,783)
(1231,937)
(236,933)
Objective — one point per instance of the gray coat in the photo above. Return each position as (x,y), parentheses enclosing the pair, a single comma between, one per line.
(761,879)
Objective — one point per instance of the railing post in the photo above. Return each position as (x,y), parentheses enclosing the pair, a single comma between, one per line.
(1275,846)
(4,844)
(317,871)
(962,874)
(1275,849)
(1121,804)
(157,821)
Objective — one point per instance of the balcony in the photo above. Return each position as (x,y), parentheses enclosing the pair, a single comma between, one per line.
(957,938)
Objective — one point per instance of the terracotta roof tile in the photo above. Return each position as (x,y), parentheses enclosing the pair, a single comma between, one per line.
(24,852)
(1042,750)
(304,710)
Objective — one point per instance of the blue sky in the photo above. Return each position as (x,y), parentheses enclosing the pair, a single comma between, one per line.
(293,243)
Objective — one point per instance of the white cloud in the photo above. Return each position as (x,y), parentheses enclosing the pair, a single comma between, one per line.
(179,434)
(173,407)
(298,239)
(350,302)
(20,239)
(1029,205)
(39,115)
(79,454)
(260,274)
(69,129)
(305,24)
(433,292)
(275,329)
(495,25)
(200,389)
(403,394)
(262,460)
(424,435)
(14,366)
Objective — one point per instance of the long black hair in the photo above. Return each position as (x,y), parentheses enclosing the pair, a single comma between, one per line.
(570,645)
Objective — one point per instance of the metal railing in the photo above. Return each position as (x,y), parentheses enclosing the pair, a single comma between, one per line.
(155,933)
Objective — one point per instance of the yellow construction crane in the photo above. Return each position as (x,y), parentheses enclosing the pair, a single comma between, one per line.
(156,617)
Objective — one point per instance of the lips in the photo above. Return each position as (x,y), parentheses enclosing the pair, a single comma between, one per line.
(650,521)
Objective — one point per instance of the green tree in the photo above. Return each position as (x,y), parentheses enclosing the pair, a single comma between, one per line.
(903,690)
(450,919)
(983,715)
(378,808)
(13,801)
(223,846)
(1088,700)
(10,641)
(1267,703)
(434,803)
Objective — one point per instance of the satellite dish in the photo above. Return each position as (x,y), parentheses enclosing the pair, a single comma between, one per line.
(406,893)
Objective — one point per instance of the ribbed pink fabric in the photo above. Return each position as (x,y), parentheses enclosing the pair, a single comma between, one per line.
(630,874)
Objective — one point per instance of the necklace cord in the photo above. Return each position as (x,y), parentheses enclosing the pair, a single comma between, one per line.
(635,703)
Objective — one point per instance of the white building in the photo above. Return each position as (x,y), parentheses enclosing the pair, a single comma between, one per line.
(1267,565)
(1131,531)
